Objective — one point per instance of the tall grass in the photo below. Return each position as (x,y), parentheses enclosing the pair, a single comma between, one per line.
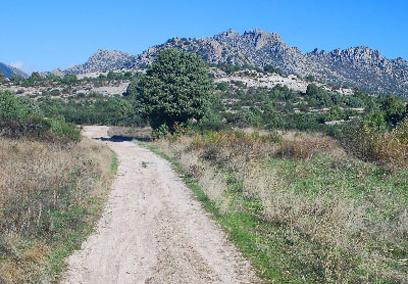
(50,196)
(368,143)
(303,210)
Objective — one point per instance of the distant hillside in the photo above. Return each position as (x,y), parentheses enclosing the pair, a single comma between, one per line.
(9,70)
(103,61)
(357,66)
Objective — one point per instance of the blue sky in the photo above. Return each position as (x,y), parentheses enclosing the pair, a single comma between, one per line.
(43,34)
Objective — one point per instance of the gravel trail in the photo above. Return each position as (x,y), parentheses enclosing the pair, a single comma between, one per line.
(153,231)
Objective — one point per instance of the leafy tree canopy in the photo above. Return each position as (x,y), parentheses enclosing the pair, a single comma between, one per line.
(175,88)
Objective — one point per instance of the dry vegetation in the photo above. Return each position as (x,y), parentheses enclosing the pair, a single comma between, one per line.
(389,148)
(50,196)
(301,209)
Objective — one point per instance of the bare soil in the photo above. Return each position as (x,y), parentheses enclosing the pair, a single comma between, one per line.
(153,230)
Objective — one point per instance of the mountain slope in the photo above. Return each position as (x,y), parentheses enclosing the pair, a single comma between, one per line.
(103,61)
(8,70)
(365,68)
(357,66)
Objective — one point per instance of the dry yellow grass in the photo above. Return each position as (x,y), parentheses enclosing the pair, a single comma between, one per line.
(210,179)
(45,192)
(334,229)
(386,148)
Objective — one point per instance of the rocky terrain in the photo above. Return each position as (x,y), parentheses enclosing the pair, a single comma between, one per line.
(254,79)
(247,78)
(357,66)
(103,61)
(84,87)
(8,70)
(108,89)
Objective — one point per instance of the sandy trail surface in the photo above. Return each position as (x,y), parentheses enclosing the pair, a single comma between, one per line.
(153,231)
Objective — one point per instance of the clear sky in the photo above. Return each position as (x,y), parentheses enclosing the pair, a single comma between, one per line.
(39,35)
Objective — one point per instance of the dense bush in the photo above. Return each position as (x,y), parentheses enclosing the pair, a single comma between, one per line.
(95,110)
(370,143)
(393,108)
(318,96)
(21,118)
(212,119)
(10,108)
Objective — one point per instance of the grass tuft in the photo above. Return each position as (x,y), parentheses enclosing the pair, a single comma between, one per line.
(50,198)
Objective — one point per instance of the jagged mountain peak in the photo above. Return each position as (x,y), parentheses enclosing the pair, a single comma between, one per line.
(358,66)
(109,54)
(105,60)
(258,32)
(106,51)
(357,51)
(317,51)
(361,50)
(230,33)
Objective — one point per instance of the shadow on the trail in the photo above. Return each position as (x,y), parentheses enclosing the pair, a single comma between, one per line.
(119,138)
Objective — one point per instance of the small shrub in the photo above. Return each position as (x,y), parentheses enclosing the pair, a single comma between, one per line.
(161,131)
(305,148)
(33,127)
(278,138)
(10,108)
(222,86)
(359,140)
(211,153)
(55,93)
(401,132)
(63,130)
(368,143)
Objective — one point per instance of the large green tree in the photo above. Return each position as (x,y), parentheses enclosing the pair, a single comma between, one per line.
(174,89)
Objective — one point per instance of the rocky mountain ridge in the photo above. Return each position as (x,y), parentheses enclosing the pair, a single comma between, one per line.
(356,66)
(103,61)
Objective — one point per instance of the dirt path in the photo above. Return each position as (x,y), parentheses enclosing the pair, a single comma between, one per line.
(153,231)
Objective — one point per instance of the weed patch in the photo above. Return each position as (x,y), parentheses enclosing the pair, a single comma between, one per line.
(301,211)
(50,197)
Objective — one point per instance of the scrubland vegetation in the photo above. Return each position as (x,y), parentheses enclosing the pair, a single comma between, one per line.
(21,117)
(50,197)
(67,80)
(77,99)
(301,208)
(52,189)
(321,196)
(325,204)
